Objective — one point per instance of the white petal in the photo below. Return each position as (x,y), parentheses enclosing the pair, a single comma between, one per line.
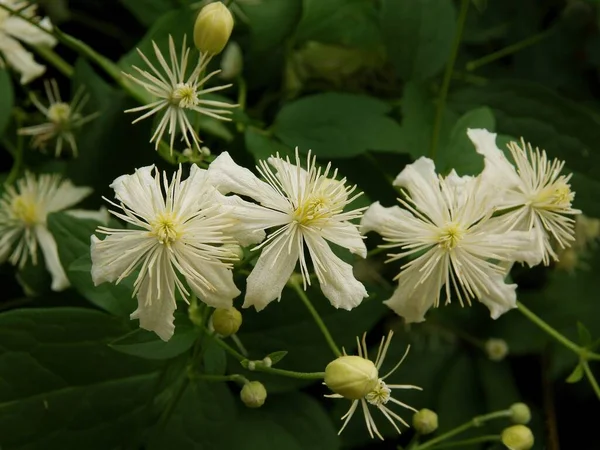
(272,271)
(20,59)
(28,33)
(67,195)
(345,234)
(223,289)
(139,192)
(377,218)
(50,251)
(101,215)
(501,298)
(156,307)
(498,170)
(228,177)
(335,276)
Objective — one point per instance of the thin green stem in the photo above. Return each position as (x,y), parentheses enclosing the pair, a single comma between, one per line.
(317,318)
(509,50)
(441,104)
(17,166)
(55,59)
(224,346)
(207,377)
(473,441)
(238,343)
(19,13)
(474,422)
(591,378)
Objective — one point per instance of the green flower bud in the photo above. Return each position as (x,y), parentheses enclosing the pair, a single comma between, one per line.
(425,421)
(212,28)
(352,377)
(231,61)
(194,315)
(517,437)
(253,394)
(520,413)
(496,349)
(226,321)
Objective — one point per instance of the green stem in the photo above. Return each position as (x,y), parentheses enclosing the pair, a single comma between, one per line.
(476,64)
(18,162)
(591,378)
(473,441)
(474,422)
(206,377)
(56,60)
(317,318)
(441,105)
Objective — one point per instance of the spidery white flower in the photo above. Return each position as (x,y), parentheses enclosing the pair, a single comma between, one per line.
(63,119)
(307,208)
(175,94)
(23,212)
(381,392)
(448,228)
(180,228)
(14,29)
(537,197)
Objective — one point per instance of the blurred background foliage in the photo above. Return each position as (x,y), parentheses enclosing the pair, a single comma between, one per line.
(358,82)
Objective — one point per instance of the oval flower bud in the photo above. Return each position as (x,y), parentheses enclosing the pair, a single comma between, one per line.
(425,421)
(253,394)
(496,349)
(520,413)
(226,321)
(352,377)
(212,28)
(517,437)
(231,62)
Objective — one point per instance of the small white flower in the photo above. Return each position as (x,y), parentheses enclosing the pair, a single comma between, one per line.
(63,119)
(177,94)
(448,228)
(14,29)
(379,394)
(23,212)
(180,228)
(537,197)
(306,208)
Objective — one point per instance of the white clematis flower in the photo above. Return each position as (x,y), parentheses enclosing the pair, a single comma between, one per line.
(537,197)
(448,228)
(180,228)
(306,208)
(24,209)
(176,93)
(14,29)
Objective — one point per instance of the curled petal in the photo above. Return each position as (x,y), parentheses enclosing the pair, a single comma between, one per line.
(48,245)
(20,59)
(501,297)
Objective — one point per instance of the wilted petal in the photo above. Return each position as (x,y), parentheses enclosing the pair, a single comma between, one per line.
(50,251)
(501,297)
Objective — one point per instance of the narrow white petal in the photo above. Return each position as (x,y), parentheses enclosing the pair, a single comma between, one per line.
(20,59)
(223,289)
(50,251)
(139,191)
(272,271)
(67,195)
(377,218)
(501,297)
(335,276)
(101,215)
(345,234)
(28,33)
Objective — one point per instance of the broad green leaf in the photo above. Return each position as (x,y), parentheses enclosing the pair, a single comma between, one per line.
(271,21)
(6,99)
(63,387)
(566,130)
(148,11)
(351,23)
(337,125)
(215,359)
(576,375)
(418,35)
(262,146)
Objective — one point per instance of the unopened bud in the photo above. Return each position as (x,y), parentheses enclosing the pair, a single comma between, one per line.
(212,28)
(520,413)
(231,61)
(352,377)
(235,251)
(194,315)
(517,437)
(496,349)
(253,394)
(425,421)
(226,321)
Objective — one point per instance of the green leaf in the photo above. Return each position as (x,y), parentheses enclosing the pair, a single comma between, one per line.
(62,387)
(262,146)
(337,125)
(147,344)
(277,356)
(271,21)
(418,35)
(585,337)
(576,375)
(215,359)
(6,99)
(566,130)
(148,11)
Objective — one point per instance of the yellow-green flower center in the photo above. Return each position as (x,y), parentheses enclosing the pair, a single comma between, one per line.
(185,96)
(380,395)
(26,210)
(166,228)
(59,113)
(450,236)
(314,208)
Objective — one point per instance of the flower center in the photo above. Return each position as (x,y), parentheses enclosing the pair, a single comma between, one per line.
(59,113)
(380,395)
(556,195)
(314,208)
(26,210)
(185,96)
(166,228)
(450,236)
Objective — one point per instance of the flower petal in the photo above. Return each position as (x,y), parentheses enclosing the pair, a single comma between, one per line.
(273,270)
(223,289)
(377,218)
(335,276)
(345,234)
(20,59)
(67,195)
(140,192)
(501,297)
(48,245)
(101,215)
(498,170)
(28,33)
